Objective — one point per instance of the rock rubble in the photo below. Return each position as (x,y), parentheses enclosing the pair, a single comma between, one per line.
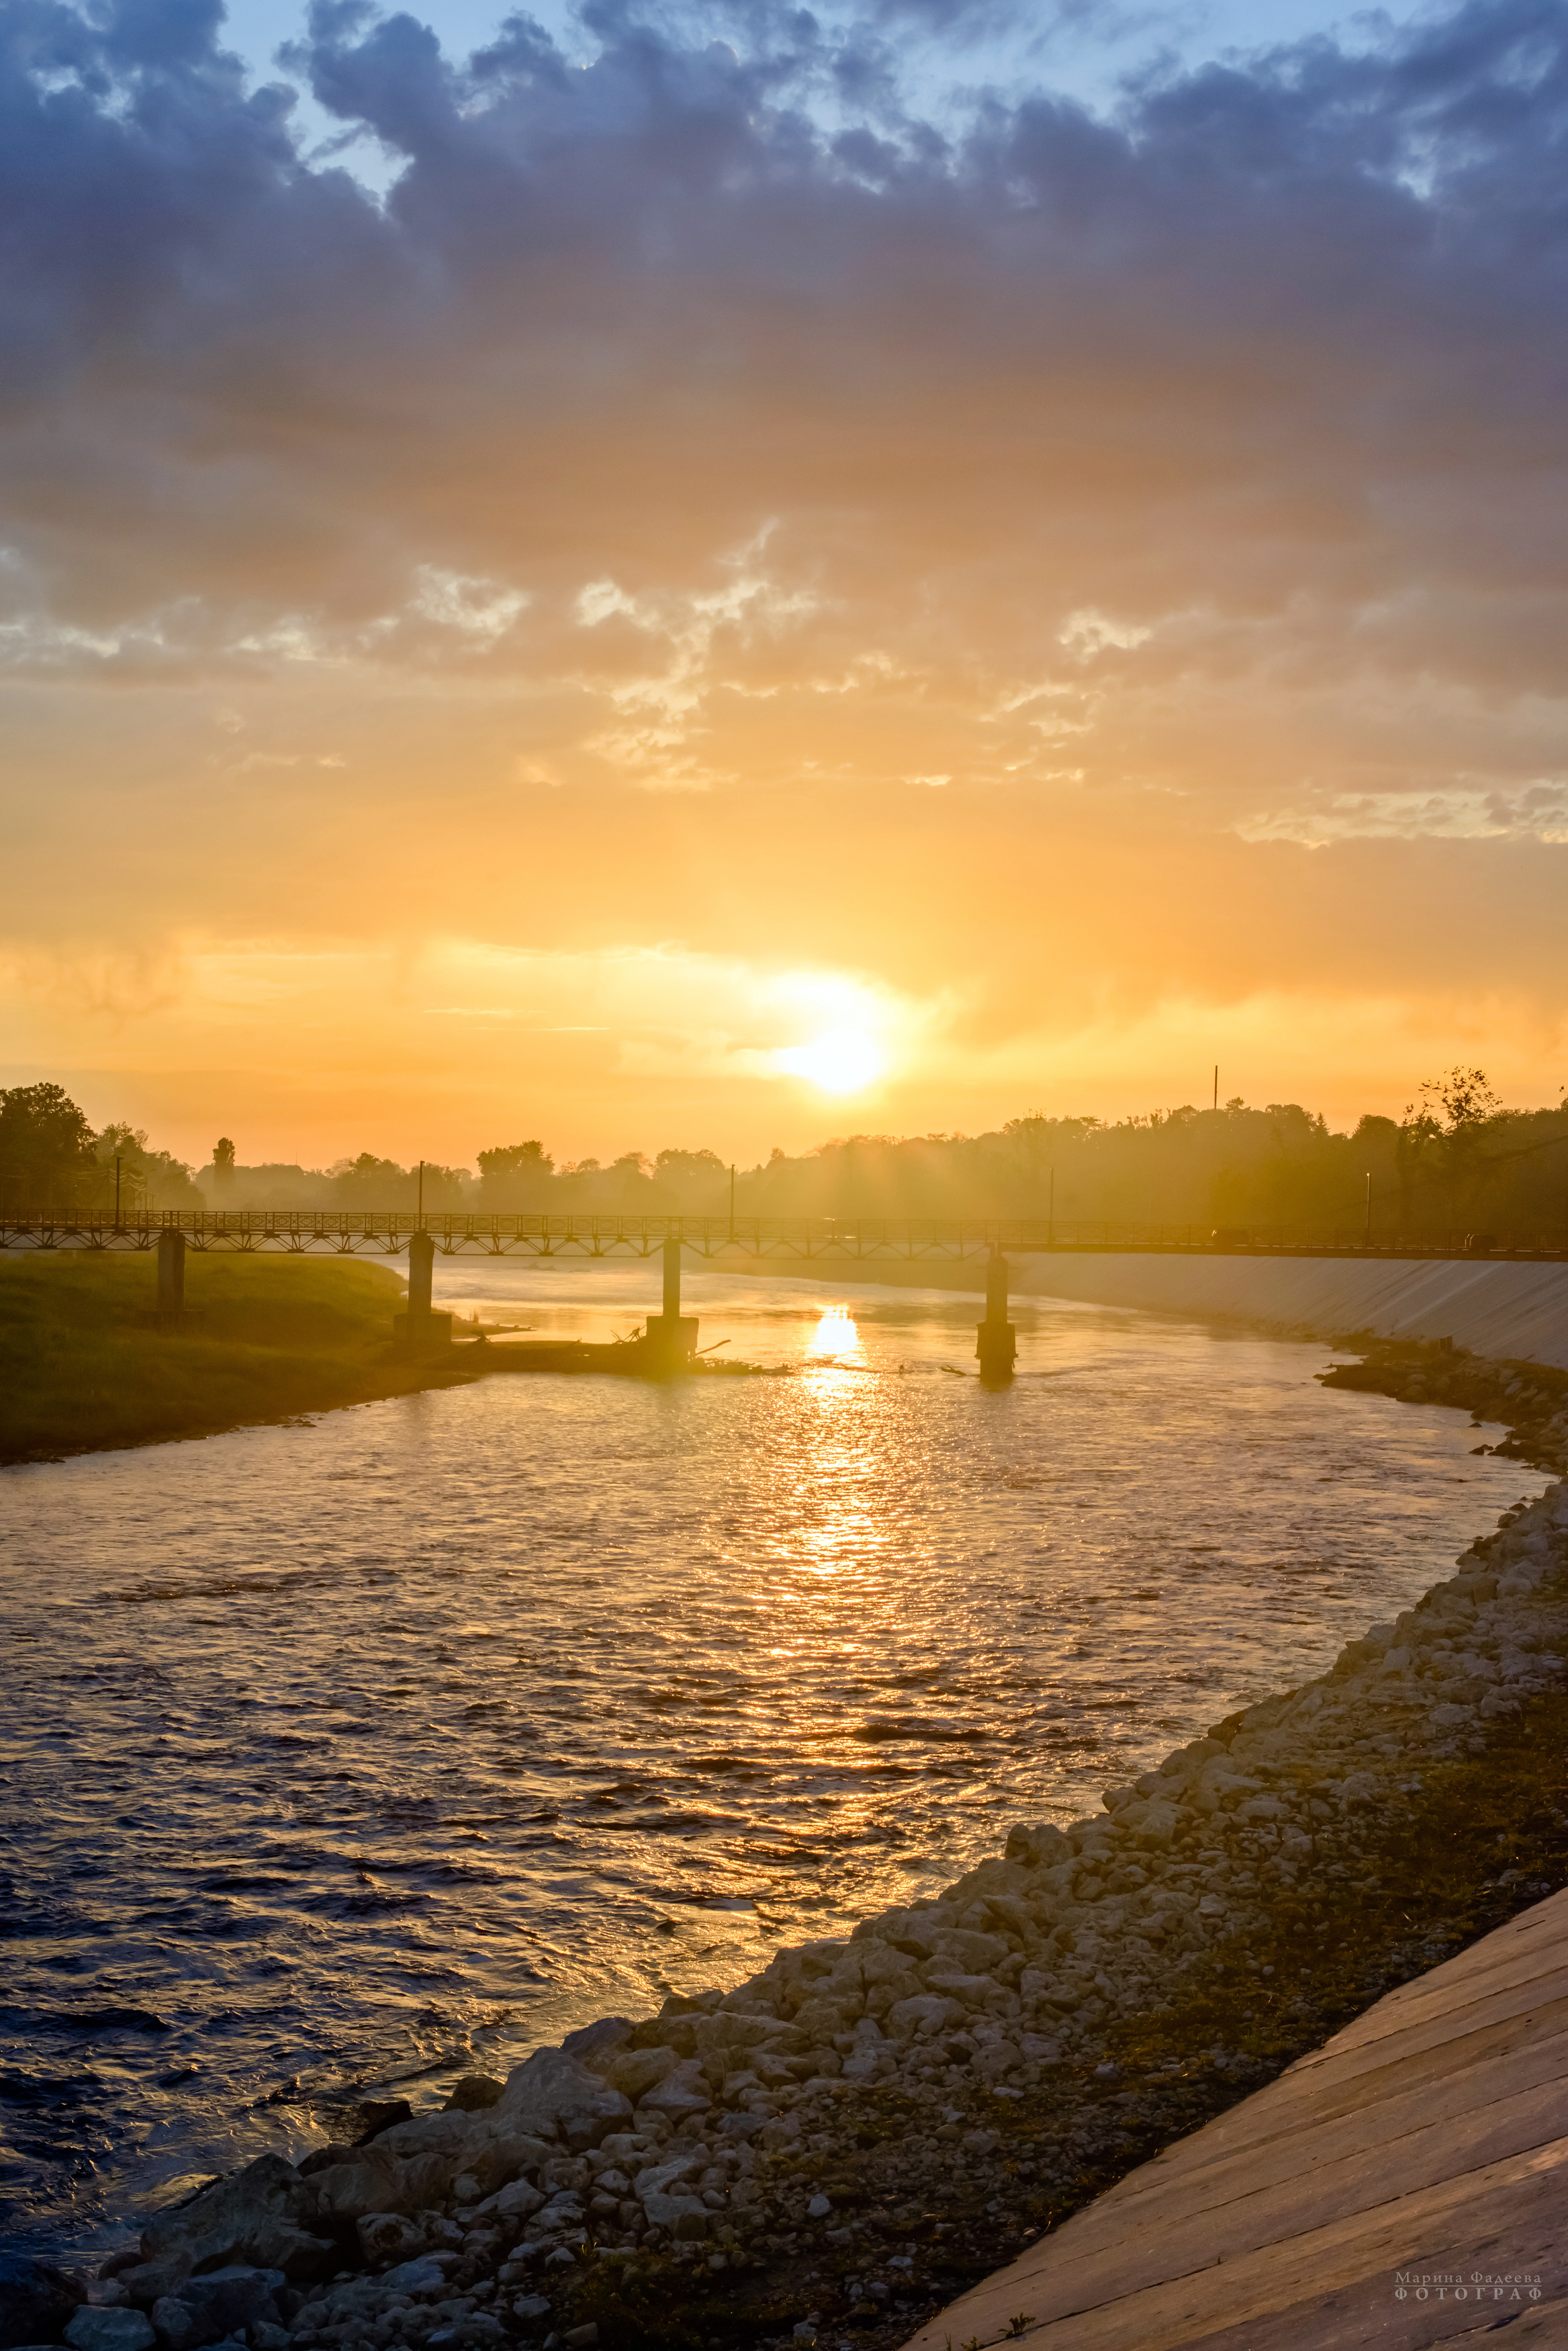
(1531,1398)
(833,2148)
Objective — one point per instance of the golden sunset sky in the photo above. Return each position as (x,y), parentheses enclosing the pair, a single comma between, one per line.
(709,576)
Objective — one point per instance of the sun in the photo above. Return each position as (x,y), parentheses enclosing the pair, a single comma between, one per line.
(843,1062)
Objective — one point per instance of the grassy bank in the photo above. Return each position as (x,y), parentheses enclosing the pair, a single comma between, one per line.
(267,1338)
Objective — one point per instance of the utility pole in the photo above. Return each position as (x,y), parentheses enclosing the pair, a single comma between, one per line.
(117,1191)
(1369,1207)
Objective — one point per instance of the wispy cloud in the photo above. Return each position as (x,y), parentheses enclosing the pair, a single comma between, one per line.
(764,480)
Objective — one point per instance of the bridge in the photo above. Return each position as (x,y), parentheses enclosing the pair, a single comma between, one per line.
(670,1341)
(804,1240)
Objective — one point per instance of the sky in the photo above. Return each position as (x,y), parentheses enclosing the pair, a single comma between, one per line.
(715,575)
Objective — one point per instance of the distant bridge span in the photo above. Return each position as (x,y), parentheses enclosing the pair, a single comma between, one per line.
(668,1342)
(789,1240)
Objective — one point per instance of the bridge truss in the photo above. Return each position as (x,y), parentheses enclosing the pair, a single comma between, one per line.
(742,1241)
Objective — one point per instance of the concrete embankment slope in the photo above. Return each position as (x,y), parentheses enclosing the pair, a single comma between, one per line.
(1404,2185)
(1514,1310)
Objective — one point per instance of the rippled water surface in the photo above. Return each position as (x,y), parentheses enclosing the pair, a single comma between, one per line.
(372,1751)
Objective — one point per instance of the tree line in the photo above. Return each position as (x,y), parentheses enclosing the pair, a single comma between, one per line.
(53,1162)
(1459,1162)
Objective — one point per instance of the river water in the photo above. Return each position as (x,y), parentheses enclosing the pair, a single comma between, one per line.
(358,1754)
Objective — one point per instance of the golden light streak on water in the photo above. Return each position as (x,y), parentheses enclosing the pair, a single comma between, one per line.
(381,1749)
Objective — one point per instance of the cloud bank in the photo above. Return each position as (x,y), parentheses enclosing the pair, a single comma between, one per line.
(707,408)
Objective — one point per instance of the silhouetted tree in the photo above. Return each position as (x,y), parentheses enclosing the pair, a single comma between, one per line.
(515,1159)
(691,1183)
(514,1176)
(46,1147)
(148,1178)
(1279,1169)
(1442,1148)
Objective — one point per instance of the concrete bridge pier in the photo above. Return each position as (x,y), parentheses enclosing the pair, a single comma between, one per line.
(171,1279)
(995,1342)
(421,1269)
(419,1328)
(670,1339)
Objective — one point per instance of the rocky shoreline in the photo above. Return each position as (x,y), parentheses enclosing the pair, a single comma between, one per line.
(1531,1399)
(833,2148)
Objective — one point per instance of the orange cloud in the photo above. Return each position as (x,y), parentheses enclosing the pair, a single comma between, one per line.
(1088,594)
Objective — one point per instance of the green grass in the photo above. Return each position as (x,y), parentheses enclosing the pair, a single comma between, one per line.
(269,1338)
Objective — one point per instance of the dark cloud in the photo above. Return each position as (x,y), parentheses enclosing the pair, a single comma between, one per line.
(1266,375)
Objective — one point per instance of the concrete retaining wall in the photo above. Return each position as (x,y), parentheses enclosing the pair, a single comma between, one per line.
(1519,1310)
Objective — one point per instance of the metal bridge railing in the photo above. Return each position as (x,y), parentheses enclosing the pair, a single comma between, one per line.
(387,1232)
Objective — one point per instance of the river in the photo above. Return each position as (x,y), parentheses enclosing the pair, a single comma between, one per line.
(354,1755)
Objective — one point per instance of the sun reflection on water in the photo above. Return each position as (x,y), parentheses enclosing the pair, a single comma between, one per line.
(470,1715)
(825,1512)
(837,1334)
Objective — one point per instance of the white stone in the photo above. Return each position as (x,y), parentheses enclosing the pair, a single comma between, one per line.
(929,2013)
(562,2212)
(681,2093)
(658,2177)
(517,2202)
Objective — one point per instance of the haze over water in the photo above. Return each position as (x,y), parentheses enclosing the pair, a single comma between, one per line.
(376,1750)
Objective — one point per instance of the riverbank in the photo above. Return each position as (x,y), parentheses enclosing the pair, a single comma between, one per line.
(267,1339)
(847,2140)
(1496,1309)
(1515,1311)
(1402,2186)
(1530,1399)
(275,1338)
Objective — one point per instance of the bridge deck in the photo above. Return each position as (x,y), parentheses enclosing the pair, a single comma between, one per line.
(800,1239)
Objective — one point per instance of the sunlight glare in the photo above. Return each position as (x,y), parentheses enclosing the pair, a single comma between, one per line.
(842,1062)
(836,1333)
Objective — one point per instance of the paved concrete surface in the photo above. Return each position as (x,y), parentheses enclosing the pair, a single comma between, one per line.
(1405,2184)
(1520,1310)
